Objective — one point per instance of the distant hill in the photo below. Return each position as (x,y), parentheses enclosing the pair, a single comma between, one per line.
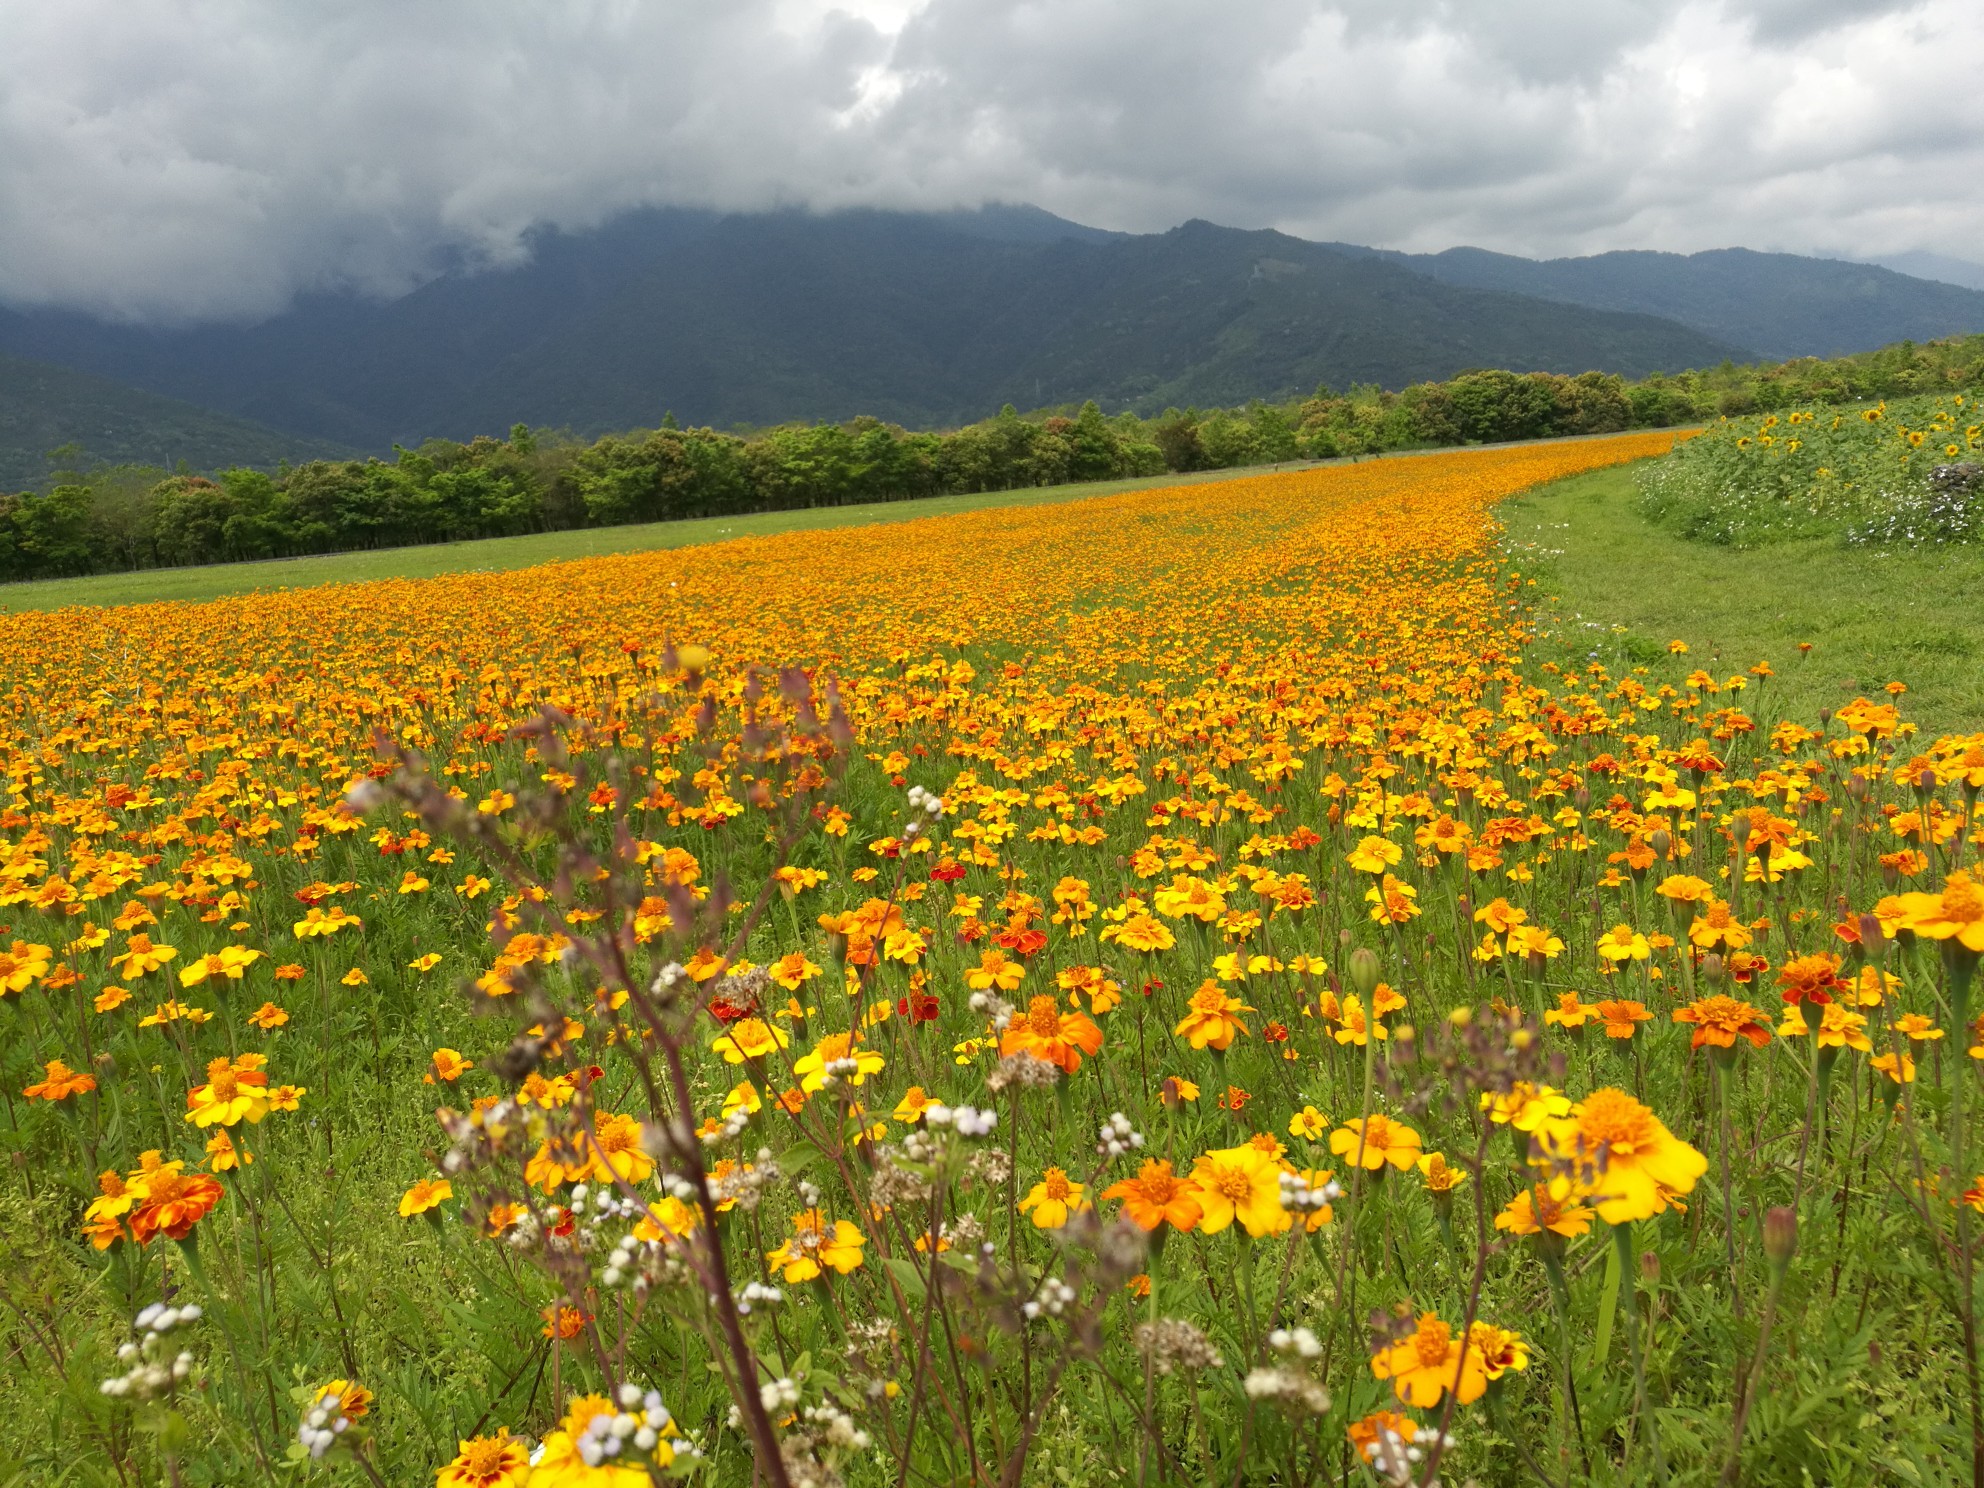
(1778,304)
(45,407)
(924,319)
(1936,266)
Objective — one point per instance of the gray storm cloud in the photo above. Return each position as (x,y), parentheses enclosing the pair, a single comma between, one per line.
(213,158)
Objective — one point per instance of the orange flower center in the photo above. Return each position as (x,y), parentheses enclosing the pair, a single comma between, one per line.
(1057,1185)
(1043,1016)
(484,1455)
(223,1087)
(1232,1184)
(1209,999)
(1432,1342)
(1963,901)
(1614,1119)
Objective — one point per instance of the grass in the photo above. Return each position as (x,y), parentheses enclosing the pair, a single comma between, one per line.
(1914,616)
(213,581)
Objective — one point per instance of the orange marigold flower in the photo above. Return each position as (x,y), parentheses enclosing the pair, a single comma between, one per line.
(1157,1196)
(60,1083)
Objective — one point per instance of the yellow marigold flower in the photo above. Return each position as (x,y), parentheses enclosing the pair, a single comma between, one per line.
(447,1066)
(140,957)
(817,1243)
(1372,1145)
(749,1038)
(1212,1021)
(235,1091)
(837,1057)
(427,1194)
(1428,1363)
(498,1461)
(1308,1123)
(1623,943)
(1956,914)
(1438,1175)
(1053,1199)
(1623,1155)
(425,963)
(1375,855)
(1240,1183)
(1571,1012)
(1536,1210)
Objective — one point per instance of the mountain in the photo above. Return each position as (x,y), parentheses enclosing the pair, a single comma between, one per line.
(923,319)
(45,408)
(1777,304)
(1936,266)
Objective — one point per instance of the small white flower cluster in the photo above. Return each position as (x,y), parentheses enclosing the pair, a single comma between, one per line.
(1118,1136)
(995,1009)
(1289,1386)
(1300,1342)
(151,1373)
(743,1185)
(667,978)
(1396,1461)
(625,1263)
(756,1294)
(323,1424)
(779,1394)
(732,1128)
(964,1119)
(1055,1298)
(921,800)
(1299,1196)
(809,1193)
(836,1070)
(838,1428)
(637,1424)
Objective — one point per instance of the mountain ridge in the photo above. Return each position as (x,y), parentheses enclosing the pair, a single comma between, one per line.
(925,320)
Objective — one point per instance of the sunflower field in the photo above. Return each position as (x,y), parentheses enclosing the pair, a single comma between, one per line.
(1906,472)
(1165,989)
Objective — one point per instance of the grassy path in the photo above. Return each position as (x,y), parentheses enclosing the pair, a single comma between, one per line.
(1626,589)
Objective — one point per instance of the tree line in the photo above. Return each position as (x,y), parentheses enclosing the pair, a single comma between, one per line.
(125,517)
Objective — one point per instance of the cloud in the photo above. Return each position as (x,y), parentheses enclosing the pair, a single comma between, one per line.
(188,159)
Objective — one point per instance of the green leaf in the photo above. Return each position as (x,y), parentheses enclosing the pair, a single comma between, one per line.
(1608,1305)
(907,1276)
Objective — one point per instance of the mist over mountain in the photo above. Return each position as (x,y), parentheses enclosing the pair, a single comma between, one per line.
(924,319)
(939,318)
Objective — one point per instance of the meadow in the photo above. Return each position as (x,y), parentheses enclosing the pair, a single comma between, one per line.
(1198,984)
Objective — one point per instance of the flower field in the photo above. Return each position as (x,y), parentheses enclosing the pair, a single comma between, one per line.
(1906,472)
(1158,989)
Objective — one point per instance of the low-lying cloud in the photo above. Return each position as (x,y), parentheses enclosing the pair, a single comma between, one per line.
(214,158)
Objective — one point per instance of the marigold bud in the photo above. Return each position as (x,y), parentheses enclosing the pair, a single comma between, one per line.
(1363,968)
(1712,970)
(1781,1235)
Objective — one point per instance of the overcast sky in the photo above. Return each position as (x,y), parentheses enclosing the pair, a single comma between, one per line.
(185,159)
